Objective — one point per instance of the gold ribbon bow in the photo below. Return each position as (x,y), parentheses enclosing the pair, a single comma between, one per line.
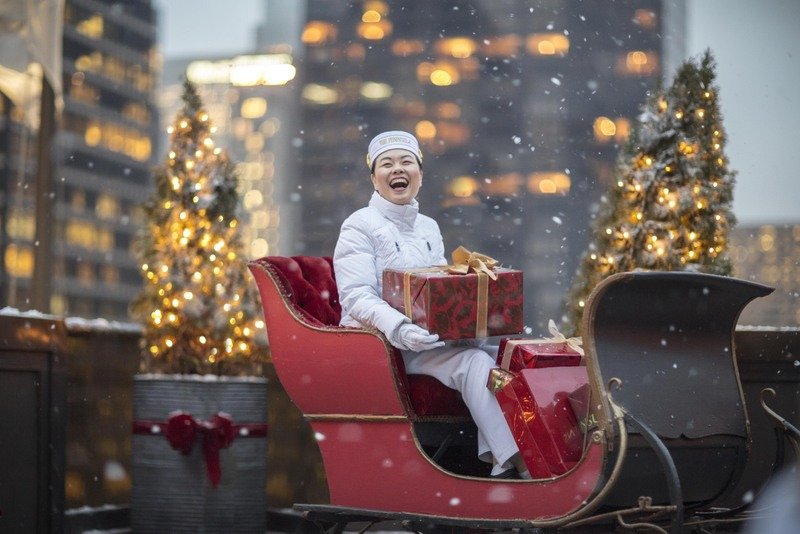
(465,261)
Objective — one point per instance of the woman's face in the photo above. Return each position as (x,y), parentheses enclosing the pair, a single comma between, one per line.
(397,176)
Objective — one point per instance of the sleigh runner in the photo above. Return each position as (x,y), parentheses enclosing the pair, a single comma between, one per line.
(665,401)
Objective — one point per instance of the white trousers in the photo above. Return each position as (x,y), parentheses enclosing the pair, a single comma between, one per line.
(466,369)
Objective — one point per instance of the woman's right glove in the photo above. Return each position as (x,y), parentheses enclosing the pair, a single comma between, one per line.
(409,336)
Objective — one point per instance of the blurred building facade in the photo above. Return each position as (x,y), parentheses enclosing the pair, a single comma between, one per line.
(101,160)
(520,108)
(17,220)
(769,254)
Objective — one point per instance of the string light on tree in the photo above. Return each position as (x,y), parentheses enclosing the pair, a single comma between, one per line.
(198,306)
(670,205)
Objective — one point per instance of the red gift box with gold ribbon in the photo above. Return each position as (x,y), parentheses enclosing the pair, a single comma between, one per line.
(555,351)
(458,301)
(536,405)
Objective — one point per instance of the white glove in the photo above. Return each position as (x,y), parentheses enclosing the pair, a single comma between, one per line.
(409,336)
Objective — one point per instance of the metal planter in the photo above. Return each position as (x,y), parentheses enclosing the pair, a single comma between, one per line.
(172,491)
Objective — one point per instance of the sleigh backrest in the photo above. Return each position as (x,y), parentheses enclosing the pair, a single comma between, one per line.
(668,338)
(326,368)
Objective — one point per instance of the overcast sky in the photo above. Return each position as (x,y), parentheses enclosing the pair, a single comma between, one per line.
(756,45)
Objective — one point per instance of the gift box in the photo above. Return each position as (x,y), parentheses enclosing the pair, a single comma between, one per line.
(455,303)
(556,351)
(579,401)
(536,405)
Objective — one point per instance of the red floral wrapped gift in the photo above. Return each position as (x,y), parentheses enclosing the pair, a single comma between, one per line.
(536,405)
(455,303)
(556,351)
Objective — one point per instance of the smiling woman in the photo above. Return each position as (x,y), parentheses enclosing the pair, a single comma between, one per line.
(391,233)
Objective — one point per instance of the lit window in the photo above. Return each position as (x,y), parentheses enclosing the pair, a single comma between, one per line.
(441,73)
(250,170)
(20,225)
(253,108)
(254,142)
(645,18)
(318,33)
(452,134)
(107,207)
(18,261)
(92,135)
(91,27)
(463,186)
(378,7)
(371,16)
(356,52)
(110,274)
(766,239)
(407,47)
(84,93)
(374,31)
(376,90)
(504,46)
(415,108)
(638,63)
(547,44)
(136,112)
(320,94)
(442,77)
(458,47)
(548,183)
(253,199)
(425,130)
(270,127)
(77,201)
(58,306)
(85,273)
(259,219)
(448,110)
(105,240)
(505,185)
(81,233)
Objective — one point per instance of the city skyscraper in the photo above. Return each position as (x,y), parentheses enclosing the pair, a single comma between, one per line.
(101,160)
(520,110)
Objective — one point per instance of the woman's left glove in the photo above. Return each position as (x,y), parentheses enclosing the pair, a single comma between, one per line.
(408,336)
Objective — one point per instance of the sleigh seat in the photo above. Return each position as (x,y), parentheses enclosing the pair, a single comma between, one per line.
(308,289)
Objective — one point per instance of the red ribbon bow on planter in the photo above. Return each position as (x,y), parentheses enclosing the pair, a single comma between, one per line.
(182,430)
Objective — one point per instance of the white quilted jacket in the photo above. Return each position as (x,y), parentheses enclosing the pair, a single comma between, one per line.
(382,235)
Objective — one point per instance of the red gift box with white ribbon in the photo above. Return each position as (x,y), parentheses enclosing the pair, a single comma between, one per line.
(555,351)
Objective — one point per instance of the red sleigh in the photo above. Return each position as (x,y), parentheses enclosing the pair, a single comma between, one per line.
(666,399)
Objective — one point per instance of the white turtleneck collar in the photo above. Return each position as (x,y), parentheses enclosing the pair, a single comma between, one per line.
(403,215)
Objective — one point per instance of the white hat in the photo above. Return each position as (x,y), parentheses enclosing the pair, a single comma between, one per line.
(390,140)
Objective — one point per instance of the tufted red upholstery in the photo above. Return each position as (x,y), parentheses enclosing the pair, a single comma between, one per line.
(311,286)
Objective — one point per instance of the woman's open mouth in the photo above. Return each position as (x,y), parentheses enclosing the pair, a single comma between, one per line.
(398,183)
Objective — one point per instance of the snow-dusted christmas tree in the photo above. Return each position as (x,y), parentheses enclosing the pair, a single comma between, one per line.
(198,305)
(669,207)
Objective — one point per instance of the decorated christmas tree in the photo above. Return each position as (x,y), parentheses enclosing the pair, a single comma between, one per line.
(198,305)
(669,207)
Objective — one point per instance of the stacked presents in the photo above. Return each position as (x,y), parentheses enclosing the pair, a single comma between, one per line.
(541,384)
